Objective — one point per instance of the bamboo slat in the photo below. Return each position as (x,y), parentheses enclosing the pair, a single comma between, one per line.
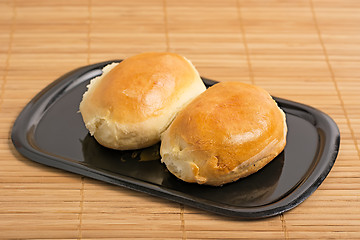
(307,51)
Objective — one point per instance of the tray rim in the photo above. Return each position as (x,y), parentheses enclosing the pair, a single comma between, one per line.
(22,142)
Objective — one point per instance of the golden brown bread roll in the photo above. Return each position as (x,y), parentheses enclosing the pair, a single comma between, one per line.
(228,132)
(134,101)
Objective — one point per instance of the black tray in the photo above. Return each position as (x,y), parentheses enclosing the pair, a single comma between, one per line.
(50,131)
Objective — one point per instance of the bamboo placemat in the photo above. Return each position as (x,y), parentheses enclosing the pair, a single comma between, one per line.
(307,51)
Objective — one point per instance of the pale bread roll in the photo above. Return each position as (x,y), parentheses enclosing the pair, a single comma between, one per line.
(228,132)
(134,101)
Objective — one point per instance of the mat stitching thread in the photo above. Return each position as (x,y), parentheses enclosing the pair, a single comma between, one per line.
(182,219)
(166,27)
(8,57)
(333,77)
(283,226)
(81,207)
(251,73)
(89,31)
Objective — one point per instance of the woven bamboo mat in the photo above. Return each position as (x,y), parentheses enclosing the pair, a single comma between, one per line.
(307,51)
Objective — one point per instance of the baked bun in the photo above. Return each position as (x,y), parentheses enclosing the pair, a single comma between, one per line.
(228,132)
(134,101)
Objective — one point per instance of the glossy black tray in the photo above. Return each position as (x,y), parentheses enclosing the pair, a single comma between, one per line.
(50,131)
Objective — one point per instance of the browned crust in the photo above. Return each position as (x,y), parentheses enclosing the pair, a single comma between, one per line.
(231,131)
(143,85)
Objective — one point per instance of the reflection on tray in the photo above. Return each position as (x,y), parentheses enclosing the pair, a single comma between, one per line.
(144,164)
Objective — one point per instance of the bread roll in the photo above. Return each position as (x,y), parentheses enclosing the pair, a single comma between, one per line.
(228,132)
(134,101)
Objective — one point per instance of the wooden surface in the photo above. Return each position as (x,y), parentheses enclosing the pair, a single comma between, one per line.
(307,51)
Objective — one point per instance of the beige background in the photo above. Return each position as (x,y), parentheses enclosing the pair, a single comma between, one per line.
(307,51)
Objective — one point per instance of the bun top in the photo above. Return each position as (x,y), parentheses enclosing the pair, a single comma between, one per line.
(141,87)
(230,123)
